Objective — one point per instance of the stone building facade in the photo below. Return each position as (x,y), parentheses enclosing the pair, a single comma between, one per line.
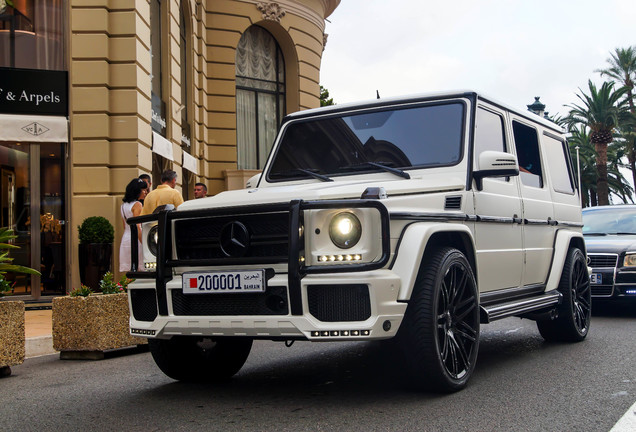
(197,86)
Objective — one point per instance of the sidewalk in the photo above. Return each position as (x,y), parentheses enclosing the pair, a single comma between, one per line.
(38,325)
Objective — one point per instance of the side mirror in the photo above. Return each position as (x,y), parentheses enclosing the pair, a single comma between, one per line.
(495,164)
(252,182)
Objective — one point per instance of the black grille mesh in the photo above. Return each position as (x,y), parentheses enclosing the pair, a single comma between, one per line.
(198,238)
(601,290)
(144,304)
(331,303)
(272,302)
(603,260)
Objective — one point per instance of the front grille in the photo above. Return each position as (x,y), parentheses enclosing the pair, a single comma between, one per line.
(144,304)
(200,238)
(331,303)
(604,260)
(601,290)
(273,301)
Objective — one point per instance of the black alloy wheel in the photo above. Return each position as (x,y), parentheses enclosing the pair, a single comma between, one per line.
(440,332)
(574,314)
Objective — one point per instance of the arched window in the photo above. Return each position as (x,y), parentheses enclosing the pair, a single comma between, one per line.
(260,96)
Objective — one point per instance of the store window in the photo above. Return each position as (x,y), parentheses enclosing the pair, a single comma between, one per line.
(158,121)
(32,34)
(187,182)
(260,96)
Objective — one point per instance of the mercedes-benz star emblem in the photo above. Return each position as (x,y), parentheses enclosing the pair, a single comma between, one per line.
(235,239)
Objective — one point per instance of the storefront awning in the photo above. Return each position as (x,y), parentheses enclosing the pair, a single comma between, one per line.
(162,146)
(32,128)
(190,163)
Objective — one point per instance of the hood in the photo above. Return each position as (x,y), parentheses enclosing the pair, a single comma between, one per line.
(317,190)
(610,243)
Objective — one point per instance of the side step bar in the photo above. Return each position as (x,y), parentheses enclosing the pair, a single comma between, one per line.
(518,307)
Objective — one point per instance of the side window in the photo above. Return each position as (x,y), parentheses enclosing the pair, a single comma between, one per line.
(557,161)
(489,133)
(527,146)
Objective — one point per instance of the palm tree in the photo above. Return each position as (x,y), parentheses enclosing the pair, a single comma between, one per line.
(617,184)
(602,111)
(622,69)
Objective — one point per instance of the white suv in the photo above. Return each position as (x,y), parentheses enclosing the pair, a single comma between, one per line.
(416,218)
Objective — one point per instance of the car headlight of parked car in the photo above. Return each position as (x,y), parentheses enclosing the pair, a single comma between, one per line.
(630,259)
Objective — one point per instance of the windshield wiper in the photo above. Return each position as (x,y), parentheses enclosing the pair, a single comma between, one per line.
(599,234)
(625,233)
(396,171)
(296,171)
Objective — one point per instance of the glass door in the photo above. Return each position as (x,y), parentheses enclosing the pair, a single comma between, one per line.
(32,204)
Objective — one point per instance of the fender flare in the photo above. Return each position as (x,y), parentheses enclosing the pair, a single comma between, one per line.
(562,243)
(411,250)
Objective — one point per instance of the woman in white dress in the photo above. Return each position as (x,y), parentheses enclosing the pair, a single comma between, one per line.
(135,191)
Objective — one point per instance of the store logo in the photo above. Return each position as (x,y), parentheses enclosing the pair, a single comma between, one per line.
(35,129)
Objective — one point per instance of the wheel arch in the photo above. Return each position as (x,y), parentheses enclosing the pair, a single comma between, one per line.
(564,240)
(420,239)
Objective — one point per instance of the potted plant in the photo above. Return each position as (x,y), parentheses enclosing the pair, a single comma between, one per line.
(11,312)
(87,325)
(96,236)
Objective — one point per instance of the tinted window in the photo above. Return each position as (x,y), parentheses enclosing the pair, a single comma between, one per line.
(527,146)
(424,136)
(560,173)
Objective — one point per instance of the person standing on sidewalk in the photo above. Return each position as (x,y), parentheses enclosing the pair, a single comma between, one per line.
(164,194)
(135,193)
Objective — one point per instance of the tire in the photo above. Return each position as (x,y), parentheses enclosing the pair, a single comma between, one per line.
(574,313)
(197,359)
(439,336)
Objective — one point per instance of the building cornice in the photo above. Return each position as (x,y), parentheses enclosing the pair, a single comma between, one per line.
(278,8)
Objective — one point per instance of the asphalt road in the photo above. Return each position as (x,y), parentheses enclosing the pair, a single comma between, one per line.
(521,384)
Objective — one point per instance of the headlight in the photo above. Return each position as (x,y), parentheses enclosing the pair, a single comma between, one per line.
(152,240)
(345,230)
(630,260)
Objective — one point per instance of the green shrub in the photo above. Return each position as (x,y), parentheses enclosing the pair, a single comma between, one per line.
(109,286)
(6,265)
(82,291)
(96,229)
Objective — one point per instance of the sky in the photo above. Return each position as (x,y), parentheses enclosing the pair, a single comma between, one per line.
(510,50)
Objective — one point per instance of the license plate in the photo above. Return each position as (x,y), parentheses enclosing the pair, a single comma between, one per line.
(224,282)
(596,278)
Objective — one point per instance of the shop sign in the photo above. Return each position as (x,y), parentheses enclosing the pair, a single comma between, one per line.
(31,91)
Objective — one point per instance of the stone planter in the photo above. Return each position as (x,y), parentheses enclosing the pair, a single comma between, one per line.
(11,335)
(85,327)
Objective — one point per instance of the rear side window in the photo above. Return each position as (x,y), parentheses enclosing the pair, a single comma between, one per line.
(557,161)
(527,146)
(489,133)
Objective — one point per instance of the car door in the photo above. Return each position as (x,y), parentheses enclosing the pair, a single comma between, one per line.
(498,231)
(538,211)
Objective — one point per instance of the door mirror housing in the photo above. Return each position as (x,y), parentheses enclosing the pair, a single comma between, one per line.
(495,164)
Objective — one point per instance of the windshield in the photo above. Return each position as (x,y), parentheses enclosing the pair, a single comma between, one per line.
(422,136)
(609,221)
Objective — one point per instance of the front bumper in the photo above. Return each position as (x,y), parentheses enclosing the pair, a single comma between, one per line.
(354,306)
(613,283)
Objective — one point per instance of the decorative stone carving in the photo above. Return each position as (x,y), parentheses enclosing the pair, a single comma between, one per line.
(325,36)
(271,11)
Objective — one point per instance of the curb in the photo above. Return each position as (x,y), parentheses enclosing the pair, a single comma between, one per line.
(39,346)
